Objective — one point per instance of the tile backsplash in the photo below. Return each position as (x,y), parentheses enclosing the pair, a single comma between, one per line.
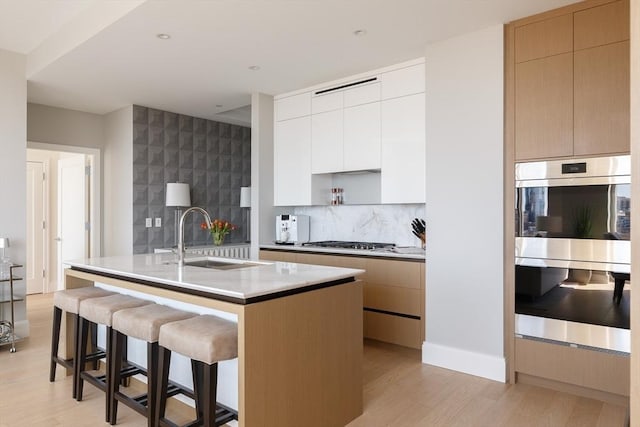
(370,223)
(214,158)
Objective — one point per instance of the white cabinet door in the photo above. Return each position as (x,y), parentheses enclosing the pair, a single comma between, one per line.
(293,106)
(402,82)
(326,102)
(326,142)
(292,162)
(362,137)
(403,150)
(362,94)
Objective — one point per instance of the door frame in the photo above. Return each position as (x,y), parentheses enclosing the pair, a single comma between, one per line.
(46,215)
(95,185)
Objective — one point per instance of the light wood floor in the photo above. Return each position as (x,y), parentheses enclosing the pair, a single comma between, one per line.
(398,391)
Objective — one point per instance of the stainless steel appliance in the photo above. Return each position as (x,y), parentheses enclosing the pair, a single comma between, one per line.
(574,213)
(292,229)
(350,245)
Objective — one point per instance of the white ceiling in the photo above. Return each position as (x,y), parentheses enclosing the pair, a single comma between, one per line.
(119,61)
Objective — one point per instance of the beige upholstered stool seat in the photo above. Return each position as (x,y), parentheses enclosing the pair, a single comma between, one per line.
(69,299)
(144,322)
(100,310)
(205,338)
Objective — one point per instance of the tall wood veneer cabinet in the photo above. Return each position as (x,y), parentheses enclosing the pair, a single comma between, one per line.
(394,293)
(571,82)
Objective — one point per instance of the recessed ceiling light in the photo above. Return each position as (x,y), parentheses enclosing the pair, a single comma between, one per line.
(359,33)
(218,105)
(254,67)
(163,36)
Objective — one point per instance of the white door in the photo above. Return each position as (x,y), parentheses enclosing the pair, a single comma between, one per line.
(72,211)
(35,228)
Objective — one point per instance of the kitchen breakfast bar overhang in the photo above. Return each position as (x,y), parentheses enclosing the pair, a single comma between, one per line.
(299,328)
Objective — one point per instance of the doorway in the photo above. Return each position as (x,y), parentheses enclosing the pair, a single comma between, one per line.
(63,211)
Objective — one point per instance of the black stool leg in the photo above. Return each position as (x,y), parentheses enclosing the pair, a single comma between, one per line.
(164,361)
(152,379)
(617,291)
(198,393)
(114,379)
(81,356)
(94,344)
(208,397)
(55,342)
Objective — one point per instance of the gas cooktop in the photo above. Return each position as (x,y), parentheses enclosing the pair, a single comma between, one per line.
(349,245)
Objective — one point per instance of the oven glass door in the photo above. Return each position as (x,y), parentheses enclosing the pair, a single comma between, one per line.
(575,212)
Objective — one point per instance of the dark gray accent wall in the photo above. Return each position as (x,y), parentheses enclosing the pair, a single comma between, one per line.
(214,158)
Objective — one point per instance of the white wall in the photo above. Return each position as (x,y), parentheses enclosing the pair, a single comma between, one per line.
(54,125)
(118,183)
(464,122)
(263,213)
(13,167)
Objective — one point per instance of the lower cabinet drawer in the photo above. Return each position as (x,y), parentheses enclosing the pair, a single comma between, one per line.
(393,329)
(393,298)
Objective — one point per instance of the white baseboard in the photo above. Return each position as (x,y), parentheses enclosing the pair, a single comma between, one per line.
(478,364)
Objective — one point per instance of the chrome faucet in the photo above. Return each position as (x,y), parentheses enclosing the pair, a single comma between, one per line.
(207,218)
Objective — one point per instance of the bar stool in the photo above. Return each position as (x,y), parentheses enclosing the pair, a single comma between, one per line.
(69,301)
(206,340)
(142,323)
(100,312)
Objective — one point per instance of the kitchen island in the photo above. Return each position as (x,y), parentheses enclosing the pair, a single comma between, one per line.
(299,328)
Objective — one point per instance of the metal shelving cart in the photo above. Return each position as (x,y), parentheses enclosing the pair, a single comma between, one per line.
(7,327)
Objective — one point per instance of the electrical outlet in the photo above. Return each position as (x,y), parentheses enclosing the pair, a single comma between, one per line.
(158,222)
(147,222)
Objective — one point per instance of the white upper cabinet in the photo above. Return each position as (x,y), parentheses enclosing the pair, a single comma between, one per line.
(403,150)
(327,141)
(292,162)
(362,137)
(293,106)
(402,82)
(364,94)
(327,102)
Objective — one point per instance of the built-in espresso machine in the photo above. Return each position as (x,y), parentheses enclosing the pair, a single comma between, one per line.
(292,229)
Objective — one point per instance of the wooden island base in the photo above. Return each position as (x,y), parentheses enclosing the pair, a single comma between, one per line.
(299,356)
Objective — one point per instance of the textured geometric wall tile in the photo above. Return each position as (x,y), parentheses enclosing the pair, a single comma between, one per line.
(171,158)
(246,149)
(225,180)
(246,134)
(186,159)
(156,239)
(246,168)
(224,130)
(156,156)
(213,128)
(140,153)
(225,163)
(140,133)
(236,133)
(186,123)
(140,114)
(156,211)
(170,120)
(236,148)
(199,160)
(156,118)
(213,144)
(200,179)
(213,180)
(224,146)
(213,197)
(171,175)
(185,175)
(139,235)
(140,213)
(213,162)
(200,142)
(236,182)
(156,195)
(156,175)
(225,197)
(140,194)
(185,139)
(198,196)
(236,164)
(171,139)
(140,174)
(156,136)
(199,126)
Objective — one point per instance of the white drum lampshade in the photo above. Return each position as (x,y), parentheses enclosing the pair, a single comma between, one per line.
(245,197)
(177,195)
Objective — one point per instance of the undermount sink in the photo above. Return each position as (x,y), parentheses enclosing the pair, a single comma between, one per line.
(218,264)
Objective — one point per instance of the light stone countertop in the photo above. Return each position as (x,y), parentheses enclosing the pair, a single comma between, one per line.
(256,279)
(410,253)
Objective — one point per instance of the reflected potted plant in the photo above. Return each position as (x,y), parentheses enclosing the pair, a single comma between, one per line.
(582,230)
(219,229)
